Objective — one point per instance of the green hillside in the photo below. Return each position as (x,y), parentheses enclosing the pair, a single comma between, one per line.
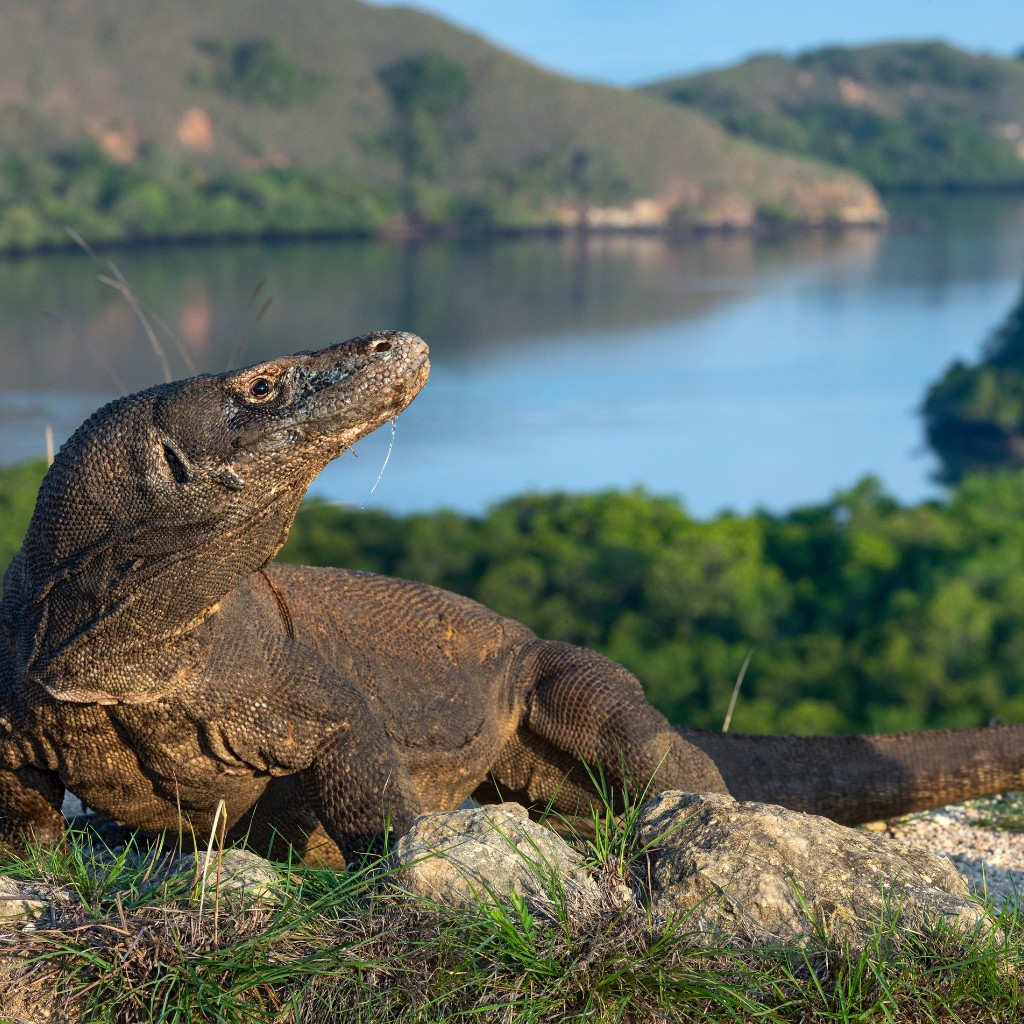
(903,114)
(136,118)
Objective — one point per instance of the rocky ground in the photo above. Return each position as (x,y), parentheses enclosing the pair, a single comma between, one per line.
(991,858)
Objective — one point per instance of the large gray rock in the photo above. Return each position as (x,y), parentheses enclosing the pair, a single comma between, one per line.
(237,874)
(487,852)
(757,873)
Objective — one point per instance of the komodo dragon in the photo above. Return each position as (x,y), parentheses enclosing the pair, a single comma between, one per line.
(155,660)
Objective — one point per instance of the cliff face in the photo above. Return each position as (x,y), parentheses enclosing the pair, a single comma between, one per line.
(431,123)
(843,202)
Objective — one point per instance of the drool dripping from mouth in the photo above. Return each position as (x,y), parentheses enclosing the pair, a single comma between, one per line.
(384,464)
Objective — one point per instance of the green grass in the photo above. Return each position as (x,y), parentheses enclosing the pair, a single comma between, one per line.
(125,943)
(1004,813)
(1004,823)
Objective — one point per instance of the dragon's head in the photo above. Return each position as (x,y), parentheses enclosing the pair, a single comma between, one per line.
(162,502)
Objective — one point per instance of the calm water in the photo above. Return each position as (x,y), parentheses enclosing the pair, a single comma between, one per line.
(731,372)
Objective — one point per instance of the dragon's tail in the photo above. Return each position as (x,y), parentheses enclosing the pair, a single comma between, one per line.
(853,779)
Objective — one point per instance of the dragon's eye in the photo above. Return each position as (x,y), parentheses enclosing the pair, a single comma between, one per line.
(260,389)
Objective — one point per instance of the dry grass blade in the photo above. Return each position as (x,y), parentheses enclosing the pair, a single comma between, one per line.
(204,870)
(242,341)
(116,280)
(119,285)
(94,352)
(736,690)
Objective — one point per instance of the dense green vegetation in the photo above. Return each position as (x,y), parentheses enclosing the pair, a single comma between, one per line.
(974,415)
(18,486)
(83,190)
(904,114)
(138,120)
(862,614)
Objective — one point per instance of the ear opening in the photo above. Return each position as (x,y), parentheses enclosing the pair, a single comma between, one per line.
(176,463)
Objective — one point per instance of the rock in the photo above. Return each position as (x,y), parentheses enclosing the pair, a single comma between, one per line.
(763,874)
(17,904)
(240,873)
(456,858)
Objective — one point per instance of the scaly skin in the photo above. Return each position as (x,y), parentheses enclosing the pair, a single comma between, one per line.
(155,662)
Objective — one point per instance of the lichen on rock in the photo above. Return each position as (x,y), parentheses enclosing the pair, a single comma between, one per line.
(758,873)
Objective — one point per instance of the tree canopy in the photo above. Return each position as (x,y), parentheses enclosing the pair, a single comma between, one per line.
(974,415)
(862,614)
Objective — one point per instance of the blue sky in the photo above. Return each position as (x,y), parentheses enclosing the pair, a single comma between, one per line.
(630,42)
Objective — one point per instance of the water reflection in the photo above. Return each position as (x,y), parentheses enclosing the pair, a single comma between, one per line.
(733,370)
(64,330)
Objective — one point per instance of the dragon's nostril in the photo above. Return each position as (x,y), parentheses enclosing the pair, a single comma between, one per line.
(382,346)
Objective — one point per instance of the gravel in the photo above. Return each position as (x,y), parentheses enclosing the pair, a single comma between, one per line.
(992,859)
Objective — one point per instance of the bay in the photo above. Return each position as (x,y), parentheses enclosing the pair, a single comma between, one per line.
(731,371)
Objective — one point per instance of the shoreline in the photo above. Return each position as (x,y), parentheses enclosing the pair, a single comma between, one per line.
(586,223)
(406,235)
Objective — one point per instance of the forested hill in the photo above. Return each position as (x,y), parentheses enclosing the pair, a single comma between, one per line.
(974,414)
(145,119)
(902,114)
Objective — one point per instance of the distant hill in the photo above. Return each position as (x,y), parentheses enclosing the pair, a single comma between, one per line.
(143,119)
(903,115)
